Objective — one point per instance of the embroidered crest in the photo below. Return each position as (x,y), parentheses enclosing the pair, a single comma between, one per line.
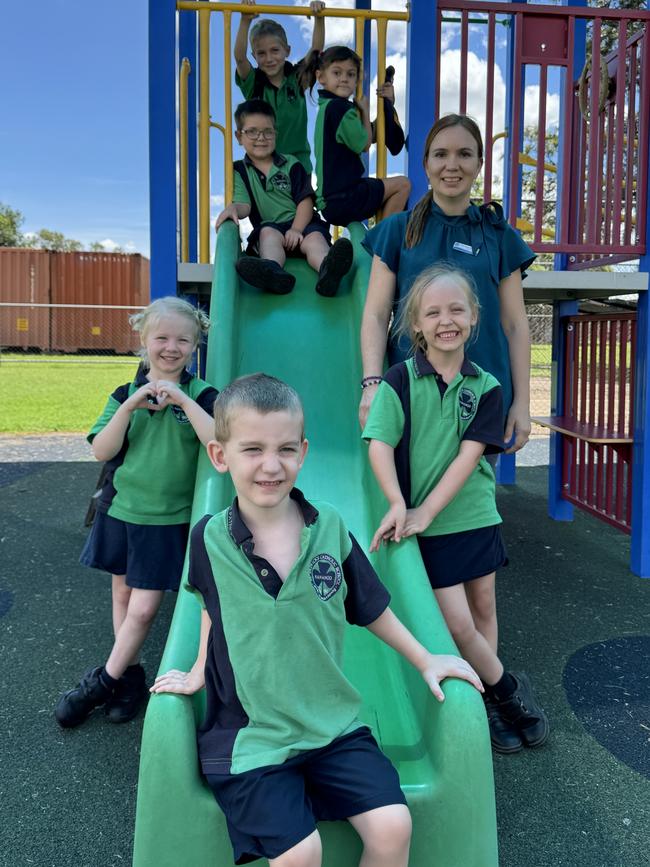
(179,415)
(467,402)
(281,182)
(326,576)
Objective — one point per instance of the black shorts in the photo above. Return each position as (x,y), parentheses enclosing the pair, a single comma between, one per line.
(455,558)
(357,203)
(316,225)
(271,809)
(150,555)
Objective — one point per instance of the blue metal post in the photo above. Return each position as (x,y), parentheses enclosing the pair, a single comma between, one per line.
(558,509)
(422,50)
(640,553)
(187,47)
(162,146)
(367,49)
(506,469)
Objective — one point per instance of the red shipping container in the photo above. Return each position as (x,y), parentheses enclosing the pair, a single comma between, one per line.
(97,279)
(24,278)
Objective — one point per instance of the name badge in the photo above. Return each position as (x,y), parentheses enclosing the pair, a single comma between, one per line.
(463,248)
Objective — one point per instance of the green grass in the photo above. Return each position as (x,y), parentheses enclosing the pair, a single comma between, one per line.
(41,395)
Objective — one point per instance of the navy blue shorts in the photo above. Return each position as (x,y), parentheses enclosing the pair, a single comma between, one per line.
(455,558)
(150,555)
(271,809)
(361,201)
(316,225)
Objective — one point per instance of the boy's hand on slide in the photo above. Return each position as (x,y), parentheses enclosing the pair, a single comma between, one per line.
(439,666)
(229,213)
(180,682)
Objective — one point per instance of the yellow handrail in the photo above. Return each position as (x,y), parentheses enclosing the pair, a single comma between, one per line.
(183,155)
(205,123)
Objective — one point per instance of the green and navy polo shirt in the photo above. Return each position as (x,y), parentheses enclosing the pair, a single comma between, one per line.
(151,479)
(274,197)
(273,673)
(339,139)
(425,420)
(290,107)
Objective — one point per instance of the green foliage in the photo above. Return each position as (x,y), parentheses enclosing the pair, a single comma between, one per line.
(40,395)
(10,223)
(46,239)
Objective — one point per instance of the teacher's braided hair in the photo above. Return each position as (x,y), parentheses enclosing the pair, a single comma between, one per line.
(419,214)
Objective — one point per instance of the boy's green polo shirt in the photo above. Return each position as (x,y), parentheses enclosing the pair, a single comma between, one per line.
(276,195)
(151,479)
(339,139)
(425,421)
(290,107)
(273,673)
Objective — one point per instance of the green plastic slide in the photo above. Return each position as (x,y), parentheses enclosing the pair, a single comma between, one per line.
(443,751)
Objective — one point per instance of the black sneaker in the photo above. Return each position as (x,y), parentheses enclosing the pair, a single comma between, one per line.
(76,704)
(130,694)
(523,711)
(334,266)
(265,274)
(504,737)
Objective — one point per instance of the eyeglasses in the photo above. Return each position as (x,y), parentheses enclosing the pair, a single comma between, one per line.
(254,134)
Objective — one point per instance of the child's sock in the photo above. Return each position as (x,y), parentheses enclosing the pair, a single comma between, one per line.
(503,688)
(106,680)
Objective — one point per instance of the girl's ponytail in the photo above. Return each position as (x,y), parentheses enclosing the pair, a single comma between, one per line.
(417,220)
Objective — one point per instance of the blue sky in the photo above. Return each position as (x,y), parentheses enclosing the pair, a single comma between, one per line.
(74,139)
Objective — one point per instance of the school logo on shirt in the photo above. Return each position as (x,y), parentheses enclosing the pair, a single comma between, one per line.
(179,415)
(326,576)
(281,182)
(467,402)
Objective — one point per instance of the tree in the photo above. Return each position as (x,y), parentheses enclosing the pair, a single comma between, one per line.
(10,223)
(46,239)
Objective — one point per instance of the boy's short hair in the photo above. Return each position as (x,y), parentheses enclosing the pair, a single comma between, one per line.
(267,27)
(257,391)
(252,106)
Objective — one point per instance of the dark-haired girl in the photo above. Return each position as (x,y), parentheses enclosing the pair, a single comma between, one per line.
(343,132)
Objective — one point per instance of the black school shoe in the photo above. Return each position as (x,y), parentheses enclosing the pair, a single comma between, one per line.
(130,694)
(522,710)
(265,274)
(76,704)
(334,267)
(504,737)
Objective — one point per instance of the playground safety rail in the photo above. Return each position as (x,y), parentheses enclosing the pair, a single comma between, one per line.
(204,10)
(599,211)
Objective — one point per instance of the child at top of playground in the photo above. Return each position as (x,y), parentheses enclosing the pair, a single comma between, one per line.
(433,418)
(281,745)
(149,435)
(343,132)
(275,79)
(274,190)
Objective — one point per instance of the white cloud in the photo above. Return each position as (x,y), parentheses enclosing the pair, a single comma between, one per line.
(531,107)
(476,95)
(217,201)
(109,245)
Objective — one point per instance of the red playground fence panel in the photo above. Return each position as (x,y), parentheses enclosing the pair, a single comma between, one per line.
(597,425)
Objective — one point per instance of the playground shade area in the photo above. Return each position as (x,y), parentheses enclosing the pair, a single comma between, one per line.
(570,611)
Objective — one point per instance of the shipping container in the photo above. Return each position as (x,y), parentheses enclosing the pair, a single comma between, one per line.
(97,279)
(24,279)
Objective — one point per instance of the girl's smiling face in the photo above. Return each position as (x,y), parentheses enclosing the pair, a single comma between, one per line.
(340,78)
(452,166)
(270,54)
(169,342)
(445,317)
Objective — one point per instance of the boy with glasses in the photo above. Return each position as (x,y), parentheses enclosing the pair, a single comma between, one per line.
(275,192)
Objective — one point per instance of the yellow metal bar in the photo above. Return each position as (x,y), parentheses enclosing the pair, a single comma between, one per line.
(218,126)
(183,155)
(381,121)
(359,25)
(227,86)
(204,138)
(499,135)
(329,12)
(526,160)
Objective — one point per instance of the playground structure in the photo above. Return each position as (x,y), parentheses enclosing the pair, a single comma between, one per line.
(599,216)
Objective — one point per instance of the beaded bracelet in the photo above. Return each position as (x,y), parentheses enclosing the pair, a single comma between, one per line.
(370,380)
